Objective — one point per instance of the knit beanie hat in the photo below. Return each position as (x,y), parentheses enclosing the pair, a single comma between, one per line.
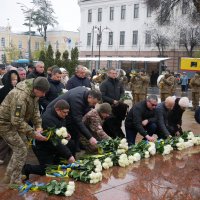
(105,108)
(41,83)
(184,102)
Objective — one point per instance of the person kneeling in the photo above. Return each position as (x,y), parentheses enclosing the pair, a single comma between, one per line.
(46,152)
(93,121)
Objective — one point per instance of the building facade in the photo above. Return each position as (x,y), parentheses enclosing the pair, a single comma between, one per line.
(16,45)
(120,28)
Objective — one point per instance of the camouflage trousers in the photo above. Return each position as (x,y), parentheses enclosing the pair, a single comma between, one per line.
(138,97)
(19,154)
(195,99)
(163,96)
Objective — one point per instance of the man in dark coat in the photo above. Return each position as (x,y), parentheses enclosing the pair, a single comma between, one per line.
(175,115)
(141,119)
(79,79)
(46,152)
(55,88)
(162,111)
(112,90)
(81,100)
(38,71)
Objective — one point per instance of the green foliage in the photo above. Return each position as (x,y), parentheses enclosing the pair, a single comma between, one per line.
(74,60)
(42,56)
(58,61)
(49,61)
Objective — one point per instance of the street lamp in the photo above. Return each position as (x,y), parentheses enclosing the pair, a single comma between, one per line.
(99,39)
(29,12)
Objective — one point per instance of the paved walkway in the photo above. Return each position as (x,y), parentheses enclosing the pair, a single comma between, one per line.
(175,176)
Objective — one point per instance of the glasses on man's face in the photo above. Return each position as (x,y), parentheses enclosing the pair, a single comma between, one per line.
(153,104)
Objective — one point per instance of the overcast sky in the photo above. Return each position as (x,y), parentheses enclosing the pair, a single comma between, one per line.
(66,11)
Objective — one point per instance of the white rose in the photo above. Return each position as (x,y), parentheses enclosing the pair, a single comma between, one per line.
(110,164)
(108,160)
(181,140)
(97,162)
(70,188)
(71,183)
(64,141)
(68,193)
(123,141)
(58,133)
(105,165)
(146,154)
(64,134)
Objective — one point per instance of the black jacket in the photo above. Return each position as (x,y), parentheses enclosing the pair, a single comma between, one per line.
(77,99)
(50,119)
(75,81)
(111,89)
(137,114)
(162,120)
(54,91)
(175,115)
(35,74)
(7,84)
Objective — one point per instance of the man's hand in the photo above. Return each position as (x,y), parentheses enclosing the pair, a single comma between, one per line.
(145,122)
(150,138)
(39,136)
(93,141)
(68,137)
(115,102)
(71,159)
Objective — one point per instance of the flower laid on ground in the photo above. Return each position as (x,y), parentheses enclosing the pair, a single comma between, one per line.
(126,96)
(55,135)
(89,168)
(54,187)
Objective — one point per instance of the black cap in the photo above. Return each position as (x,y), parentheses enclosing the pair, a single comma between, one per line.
(2,66)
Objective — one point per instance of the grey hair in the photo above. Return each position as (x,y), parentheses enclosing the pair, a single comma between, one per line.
(39,63)
(80,67)
(20,69)
(152,97)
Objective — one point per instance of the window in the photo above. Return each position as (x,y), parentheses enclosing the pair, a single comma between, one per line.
(110,38)
(123,12)
(109,64)
(147,38)
(122,38)
(99,14)
(37,45)
(111,13)
(88,39)
(182,37)
(20,44)
(135,37)
(3,42)
(136,10)
(149,11)
(90,15)
(185,7)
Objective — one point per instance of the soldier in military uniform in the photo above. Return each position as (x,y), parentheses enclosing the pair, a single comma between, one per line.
(94,121)
(166,86)
(18,108)
(139,85)
(195,86)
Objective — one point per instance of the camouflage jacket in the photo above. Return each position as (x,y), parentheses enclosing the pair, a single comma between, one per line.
(195,83)
(166,84)
(139,84)
(94,123)
(19,107)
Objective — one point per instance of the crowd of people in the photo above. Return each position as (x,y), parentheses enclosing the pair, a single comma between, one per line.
(34,101)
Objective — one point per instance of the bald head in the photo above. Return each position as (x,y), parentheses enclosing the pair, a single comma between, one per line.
(169,102)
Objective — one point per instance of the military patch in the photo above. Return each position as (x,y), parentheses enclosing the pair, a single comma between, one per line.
(18,110)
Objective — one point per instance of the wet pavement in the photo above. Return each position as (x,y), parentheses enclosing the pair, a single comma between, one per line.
(175,176)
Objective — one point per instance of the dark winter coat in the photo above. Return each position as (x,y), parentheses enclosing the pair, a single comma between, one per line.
(76,81)
(197,115)
(77,99)
(162,120)
(7,85)
(137,114)
(111,90)
(54,91)
(35,74)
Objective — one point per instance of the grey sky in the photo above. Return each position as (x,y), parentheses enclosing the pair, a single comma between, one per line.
(66,11)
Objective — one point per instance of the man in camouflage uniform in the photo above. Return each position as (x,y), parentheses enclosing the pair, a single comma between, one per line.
(18,108)
(166,86)
(139,85)
(195,86)
(93,121)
